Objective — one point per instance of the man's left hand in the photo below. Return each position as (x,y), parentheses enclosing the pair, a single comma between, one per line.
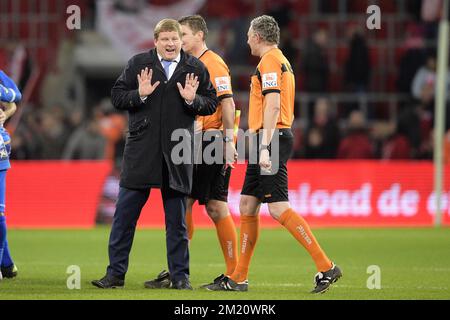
(190,87)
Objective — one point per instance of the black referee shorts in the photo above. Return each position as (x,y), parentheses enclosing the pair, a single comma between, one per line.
(210,181)
(274,187)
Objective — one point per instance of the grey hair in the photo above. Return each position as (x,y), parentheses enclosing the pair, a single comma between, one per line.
(267,28)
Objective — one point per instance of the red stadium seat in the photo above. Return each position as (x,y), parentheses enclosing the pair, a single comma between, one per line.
(391,82)
(302,7)
(336,82)
(341,55)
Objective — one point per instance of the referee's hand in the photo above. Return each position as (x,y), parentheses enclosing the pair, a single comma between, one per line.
(230,154)
(264,160)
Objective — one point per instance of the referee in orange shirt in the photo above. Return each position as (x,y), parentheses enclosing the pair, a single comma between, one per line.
(271,113)
(211,181)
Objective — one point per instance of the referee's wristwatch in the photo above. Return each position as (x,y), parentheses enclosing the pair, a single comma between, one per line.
(264,147)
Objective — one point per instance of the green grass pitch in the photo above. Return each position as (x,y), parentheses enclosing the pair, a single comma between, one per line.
(414,264)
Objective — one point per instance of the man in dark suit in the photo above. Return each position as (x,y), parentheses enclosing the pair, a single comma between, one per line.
(162,90)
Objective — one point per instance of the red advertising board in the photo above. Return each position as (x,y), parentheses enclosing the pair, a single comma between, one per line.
(54,194)
(327,194)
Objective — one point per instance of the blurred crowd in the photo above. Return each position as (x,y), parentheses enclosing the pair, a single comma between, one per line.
(329,132)
(55,134)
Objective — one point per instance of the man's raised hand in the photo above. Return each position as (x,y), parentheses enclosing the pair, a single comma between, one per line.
(146,87)
(190,87)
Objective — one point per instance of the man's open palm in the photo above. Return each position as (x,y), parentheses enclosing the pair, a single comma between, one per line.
(190,87)
(146,87)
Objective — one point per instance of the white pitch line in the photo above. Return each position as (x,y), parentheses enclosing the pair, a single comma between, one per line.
(266,284)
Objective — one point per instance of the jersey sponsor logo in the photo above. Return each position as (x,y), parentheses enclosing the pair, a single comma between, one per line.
(3,149)
(269,80)
(222,84)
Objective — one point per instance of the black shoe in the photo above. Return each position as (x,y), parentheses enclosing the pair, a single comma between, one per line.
(323,280)
(9,272)
(216,281)
(182,285)
(226,284)
(162,281)
(109,282)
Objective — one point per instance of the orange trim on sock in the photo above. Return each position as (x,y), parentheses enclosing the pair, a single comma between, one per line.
(226,232)
(249,234)
(301,231)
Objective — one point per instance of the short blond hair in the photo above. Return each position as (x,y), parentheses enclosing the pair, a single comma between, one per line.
(167,25)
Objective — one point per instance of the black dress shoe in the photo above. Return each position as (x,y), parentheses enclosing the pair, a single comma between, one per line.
(162,281)
(9,272)
(182,285)
(109,282)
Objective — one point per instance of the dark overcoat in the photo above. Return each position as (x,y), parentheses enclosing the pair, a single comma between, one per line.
(151,123)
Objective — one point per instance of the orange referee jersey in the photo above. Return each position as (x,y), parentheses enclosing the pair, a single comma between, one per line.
(221,80)
(273,74)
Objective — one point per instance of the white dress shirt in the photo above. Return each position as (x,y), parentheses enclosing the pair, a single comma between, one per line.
(172,68)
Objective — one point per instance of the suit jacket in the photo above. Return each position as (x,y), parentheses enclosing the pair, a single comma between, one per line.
(151,123)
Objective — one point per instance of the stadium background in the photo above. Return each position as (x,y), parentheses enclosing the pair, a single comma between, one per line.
(355,101)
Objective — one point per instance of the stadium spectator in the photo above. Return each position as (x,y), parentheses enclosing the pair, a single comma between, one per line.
(87,142)
(357,65)
(414,8)
(111,125)
(298,131)
(74,120)
(288,46)
(54,132)
(398,147)
(327,6)
(323,135)
(413,57)
(233,16)
(356,144)
(315,67)
(414,123)
(282,12)
(423,84)
(314,63)
(28,141)
(130,6)
(430,13)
